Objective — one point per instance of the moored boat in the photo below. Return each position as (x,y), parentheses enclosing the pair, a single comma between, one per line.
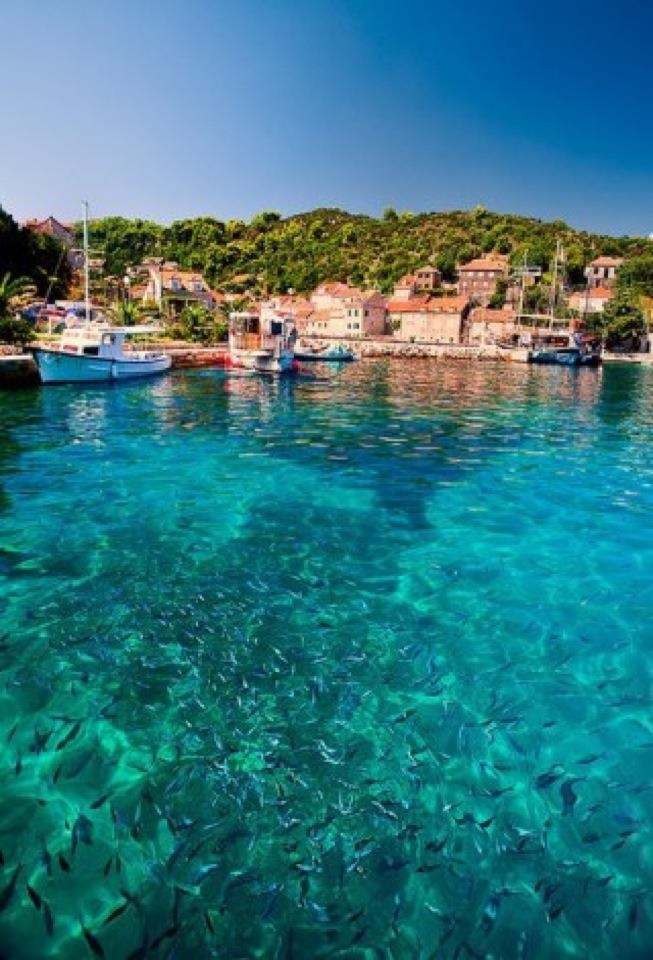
(577,353)
(93,352)
(336,351)
(266,346)
(87,355)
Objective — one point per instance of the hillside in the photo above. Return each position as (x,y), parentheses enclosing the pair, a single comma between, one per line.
(271,254)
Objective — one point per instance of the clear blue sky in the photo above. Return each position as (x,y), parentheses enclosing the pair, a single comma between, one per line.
(178,108)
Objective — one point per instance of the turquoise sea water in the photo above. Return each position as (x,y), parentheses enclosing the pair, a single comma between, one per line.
(355,666)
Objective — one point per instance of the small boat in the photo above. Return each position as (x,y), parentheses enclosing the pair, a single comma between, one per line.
(93,352)
(578,353)
(266,346)
(566,357)
(336,351)
(88,355)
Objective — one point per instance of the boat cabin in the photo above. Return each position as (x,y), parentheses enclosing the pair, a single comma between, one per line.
(99,341)
(248,332)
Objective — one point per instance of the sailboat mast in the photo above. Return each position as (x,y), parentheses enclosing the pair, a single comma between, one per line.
(87,298)
(554,285)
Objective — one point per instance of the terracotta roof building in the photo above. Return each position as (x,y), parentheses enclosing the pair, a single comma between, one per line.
(602,272)
(430,319)
(488,326)
(168,285)
(340,310)
(592,300)
(478,278)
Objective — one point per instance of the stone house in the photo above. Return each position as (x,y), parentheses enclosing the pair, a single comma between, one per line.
(592,300)
(488,326)
(340,310)
(173,288)
(63,233)
(429,319)
(602,272)
(478,279)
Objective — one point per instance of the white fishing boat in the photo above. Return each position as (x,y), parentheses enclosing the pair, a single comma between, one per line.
(86,355)
(94,352)
(266,346)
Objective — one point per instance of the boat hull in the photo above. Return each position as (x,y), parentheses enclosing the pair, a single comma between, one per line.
(58,366)
(565,358)
(263,361)
(342,356)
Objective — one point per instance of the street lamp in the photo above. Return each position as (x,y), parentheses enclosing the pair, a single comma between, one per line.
(127,282)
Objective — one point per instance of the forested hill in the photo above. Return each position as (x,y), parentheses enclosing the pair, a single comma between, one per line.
(38,257)
(271,254)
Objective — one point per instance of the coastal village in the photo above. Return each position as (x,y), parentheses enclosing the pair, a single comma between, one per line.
(482,308)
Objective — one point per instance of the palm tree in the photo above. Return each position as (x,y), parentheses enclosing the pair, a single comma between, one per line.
(15,292)
(126,313)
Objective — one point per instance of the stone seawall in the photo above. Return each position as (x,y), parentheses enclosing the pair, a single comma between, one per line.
(392,347)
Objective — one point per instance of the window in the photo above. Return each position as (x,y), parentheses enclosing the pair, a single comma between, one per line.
(356,326)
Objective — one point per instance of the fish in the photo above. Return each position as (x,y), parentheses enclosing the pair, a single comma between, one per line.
(100,801)
(93,942)
(34,897)
(63,863)
(70,736)
(546,779)
(590,758)
(434,846)
(633,915)
(118,912)
(7,892)
(40,741)
(82,833)
(358,936)
(555,912)
(204,872)
(569,798)
(48,918)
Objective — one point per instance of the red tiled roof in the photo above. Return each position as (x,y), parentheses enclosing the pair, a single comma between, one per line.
(500,264)
(428,305)
(598,293)
(607,262)
(406,281)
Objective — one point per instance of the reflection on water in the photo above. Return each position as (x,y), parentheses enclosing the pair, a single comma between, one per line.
(350,665)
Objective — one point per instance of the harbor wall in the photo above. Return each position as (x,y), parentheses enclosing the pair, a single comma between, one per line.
(393,347)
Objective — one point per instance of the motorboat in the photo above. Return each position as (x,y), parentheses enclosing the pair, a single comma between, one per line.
(266,346)
(93,354)
(578,352)
(336,351)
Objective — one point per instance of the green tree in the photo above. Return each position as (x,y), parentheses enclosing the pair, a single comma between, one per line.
(197,325)
(498,298)
(621,322)
(15,328)
(127,313)
(636,275)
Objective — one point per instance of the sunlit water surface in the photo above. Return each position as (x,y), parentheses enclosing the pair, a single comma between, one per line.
(354,666)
